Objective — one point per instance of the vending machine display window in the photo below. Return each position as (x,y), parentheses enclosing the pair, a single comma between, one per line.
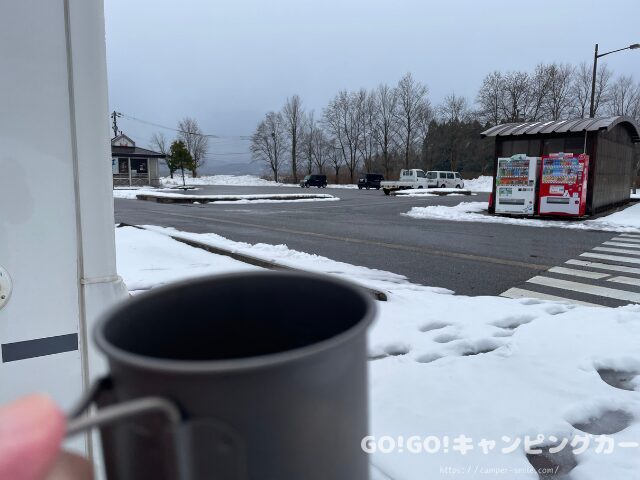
(563,184)
(516,185)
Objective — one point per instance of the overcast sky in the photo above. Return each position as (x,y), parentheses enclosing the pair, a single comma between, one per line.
(228,62)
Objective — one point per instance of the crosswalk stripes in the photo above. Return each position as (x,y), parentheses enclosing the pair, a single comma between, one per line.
(606,276)
(521,293)
(626,245)
(617,250)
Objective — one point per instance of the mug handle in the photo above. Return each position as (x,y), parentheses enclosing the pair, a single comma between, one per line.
(116,413)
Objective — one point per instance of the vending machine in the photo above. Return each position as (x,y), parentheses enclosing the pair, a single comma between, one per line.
(516,183)
(563,184)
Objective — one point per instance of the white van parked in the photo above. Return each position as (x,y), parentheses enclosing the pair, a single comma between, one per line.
(442,179)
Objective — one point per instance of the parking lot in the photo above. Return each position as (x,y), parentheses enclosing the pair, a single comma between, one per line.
(367,228)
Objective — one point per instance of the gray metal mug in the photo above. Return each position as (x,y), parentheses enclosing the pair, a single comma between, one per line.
(252,376)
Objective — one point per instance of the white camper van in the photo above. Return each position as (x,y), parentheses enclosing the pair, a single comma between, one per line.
(443,179)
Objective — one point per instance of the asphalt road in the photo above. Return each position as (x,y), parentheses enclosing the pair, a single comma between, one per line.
(367,228)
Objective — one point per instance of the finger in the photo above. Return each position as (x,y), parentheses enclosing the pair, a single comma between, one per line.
(70,466)
(31,430)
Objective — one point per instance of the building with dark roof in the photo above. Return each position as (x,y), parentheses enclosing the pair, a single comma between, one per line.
(612,143)
(134,166)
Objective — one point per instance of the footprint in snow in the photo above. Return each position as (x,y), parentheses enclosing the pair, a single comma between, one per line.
(514,321)
(477,348)
(445,338)
(530,301)
(552,465)
(433,326)
(504,333)
(621,379)
(606,423)
(389,350)
(556,309)
(428,358)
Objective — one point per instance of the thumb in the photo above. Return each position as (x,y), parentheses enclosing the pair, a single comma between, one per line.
(31,431)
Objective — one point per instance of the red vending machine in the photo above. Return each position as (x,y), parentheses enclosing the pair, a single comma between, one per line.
(563,184)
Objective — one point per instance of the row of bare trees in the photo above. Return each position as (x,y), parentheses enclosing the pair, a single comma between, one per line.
(355,129)
(393,127)
(555,91)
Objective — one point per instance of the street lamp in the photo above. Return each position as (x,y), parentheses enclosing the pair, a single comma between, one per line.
(596,56)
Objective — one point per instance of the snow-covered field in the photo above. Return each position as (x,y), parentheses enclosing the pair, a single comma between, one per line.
(237,180)
(462,386)
(625,221)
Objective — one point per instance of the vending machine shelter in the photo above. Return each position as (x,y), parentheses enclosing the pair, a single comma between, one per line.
(563,184)
(516,183)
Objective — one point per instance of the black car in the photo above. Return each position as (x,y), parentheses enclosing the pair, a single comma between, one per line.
(319,181)
(370,180)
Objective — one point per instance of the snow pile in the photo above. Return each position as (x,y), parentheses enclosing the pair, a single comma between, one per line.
(625,221)
(433,192)
(233,180)
(147,259)
(237,180)
(489,376)
(131,192)
(483,183)
(248,198)
(283,255)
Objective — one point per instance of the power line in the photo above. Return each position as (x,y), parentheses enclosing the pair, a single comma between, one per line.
(208,135)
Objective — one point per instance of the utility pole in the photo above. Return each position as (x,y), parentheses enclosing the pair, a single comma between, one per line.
(593,83)
(114,116)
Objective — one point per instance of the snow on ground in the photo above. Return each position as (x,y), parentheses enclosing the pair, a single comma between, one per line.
(494,370)
(146,259)
(624,221)
(131,192)
(282,254)
(237,180)
(481,184)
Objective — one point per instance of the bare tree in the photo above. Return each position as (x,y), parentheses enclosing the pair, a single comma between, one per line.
(623,96)
(453,112)
(515,97)
(490,99)
(367,144)
(336,157)
(386,103)
(268,143)
(307,138)
(538,85)
(196,142)
(343,120)
(558,99)
(160,143)
(294,119)
(581,90)
(603,83)
(322,150)
(412,96)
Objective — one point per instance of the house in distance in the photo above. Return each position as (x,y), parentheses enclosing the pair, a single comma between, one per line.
(133,166)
